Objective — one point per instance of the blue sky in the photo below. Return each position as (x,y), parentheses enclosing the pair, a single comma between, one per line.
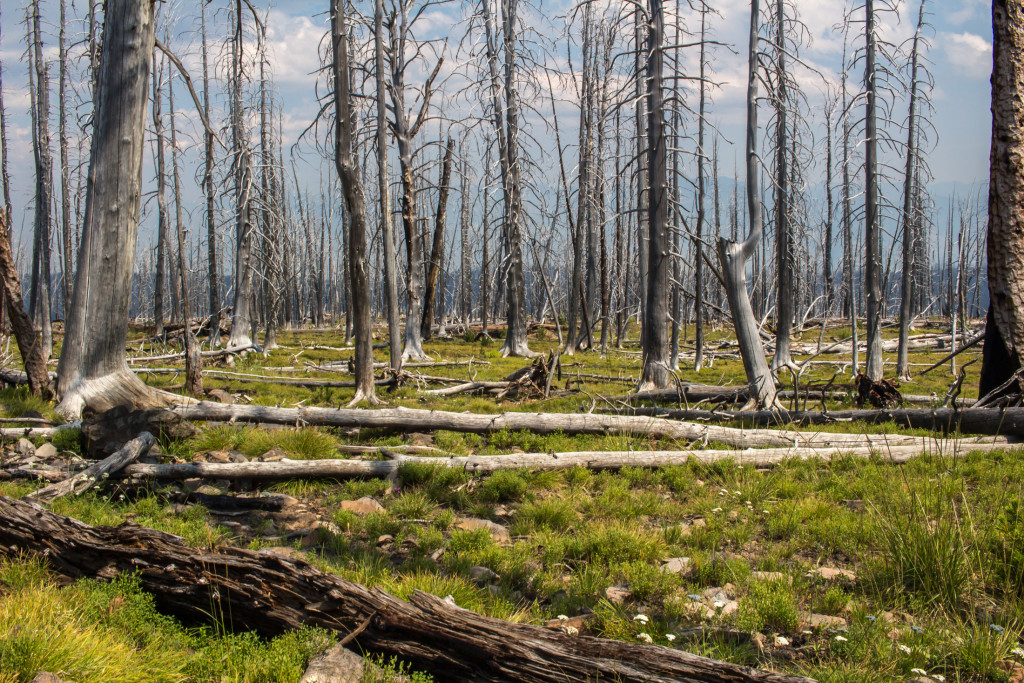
(960,57)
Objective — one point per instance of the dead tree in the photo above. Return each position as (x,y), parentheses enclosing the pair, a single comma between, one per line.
(872,223)
(193,361)
(1004,328)
(161,203)
(355,203)
(65,169)
(734,255)
(241,316)
(437,245)
(384,192)
(399,25)
(909,217)
(21,324)
(655,373)
(92,372)
(39,85)
(213,282)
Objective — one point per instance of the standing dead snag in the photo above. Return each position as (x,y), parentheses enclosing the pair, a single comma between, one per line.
(92,372)
(734,255)
(355,202)
(1004,331)
(272,594)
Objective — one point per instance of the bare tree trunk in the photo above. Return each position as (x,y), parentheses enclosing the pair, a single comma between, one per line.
(65,169)
(211,226)
(734,255)
(655,373)
(827,274)
(355,202)
(872,229)
(193,361)
(440,220)
(465,273)
(92,372)
(241,316)
(39,300)
(784,294)
(1004,330)
(849,258)
(390,258)
(698,241)
(161,203)
(909,248)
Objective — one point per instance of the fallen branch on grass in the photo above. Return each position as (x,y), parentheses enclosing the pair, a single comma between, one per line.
(594,460)
(205,354)
(89,477)
(991,421)
(33,432)
(272,594)
(407,419)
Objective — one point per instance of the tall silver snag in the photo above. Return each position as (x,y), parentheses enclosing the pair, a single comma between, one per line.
(92,372)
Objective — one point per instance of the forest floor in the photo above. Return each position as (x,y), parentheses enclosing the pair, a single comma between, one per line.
(854,569)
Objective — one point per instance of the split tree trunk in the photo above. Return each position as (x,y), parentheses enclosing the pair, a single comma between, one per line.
(24,331)
(734,255)
(437,245)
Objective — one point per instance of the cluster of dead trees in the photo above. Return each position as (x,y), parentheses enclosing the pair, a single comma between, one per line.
(633,249)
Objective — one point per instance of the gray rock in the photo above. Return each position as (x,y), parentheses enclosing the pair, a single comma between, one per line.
(618,594)
(497,531)
(47,677)
(482,575)
(676,565)
(337,665)
(46,451)
(363,506)
(26,448)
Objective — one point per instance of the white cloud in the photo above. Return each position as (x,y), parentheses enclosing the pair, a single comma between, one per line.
(969,54)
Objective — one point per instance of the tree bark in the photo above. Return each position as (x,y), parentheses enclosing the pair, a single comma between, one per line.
(39,299)
(1004,330)
(355,203)
(92,372)
(734,255)
(655,373)
(213,281)
(241,315)
(161,203)
(89,477)
(437,245)
(271,594)
(874,368)
(24,331)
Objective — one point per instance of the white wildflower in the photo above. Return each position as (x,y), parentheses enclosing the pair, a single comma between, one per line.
(717,510)
(839,639)
(562,617)
(571,630)
(904,649)
(919,672)
(642,618)
(939,677)
(643,637)
(1018,652)
(670,637)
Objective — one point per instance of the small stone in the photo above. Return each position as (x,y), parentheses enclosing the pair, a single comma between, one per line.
(832,574)
(421,439)
(191,485)
(826,621)
(497,531)
(208,490)
(275,454)
(676,565)
(482,575)
(46,677)
(337,665)
(224,456)
(1013,670)
(385,539)
(494,589)
(220,396)
(46,451)
(363,506)
(733,516)
(730,608)
(283,551)
(618,594)
(781,641)
(26,449)
(576,622)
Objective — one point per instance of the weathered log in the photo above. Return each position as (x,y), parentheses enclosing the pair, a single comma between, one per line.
(230,351)
(33,432)
(271,594)
(991,421)
(87,478)
(594,460)
(408,419)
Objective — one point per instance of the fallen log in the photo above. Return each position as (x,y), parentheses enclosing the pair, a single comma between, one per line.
(409,419)
(594,460)
(205,354)
(32,432)
(87,478)
(990,421)
(272,594)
